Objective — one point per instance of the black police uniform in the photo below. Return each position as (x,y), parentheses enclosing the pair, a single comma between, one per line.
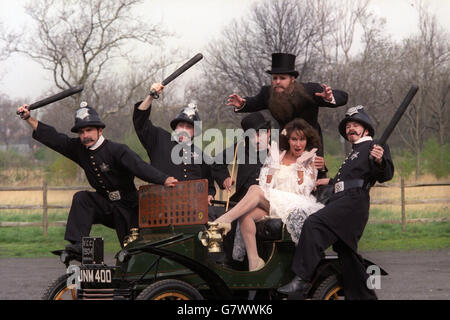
(247,172)
(342,221)
(110,170)
(159,146)
(249,167)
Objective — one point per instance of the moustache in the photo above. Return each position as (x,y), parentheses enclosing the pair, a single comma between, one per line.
(179,135)
(352,132)
(87,140)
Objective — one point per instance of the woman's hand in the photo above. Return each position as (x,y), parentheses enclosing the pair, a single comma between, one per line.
(304,160)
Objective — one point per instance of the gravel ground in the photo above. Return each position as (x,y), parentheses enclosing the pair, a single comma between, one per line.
(413,275)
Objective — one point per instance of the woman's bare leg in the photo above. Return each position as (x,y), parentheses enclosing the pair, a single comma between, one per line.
(248,231)
(254,198)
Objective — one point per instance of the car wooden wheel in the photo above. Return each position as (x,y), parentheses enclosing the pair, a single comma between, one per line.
(170,290)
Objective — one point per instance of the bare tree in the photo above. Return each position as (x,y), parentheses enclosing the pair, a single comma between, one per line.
(436,66)
(237,61)
(6,125)
(83,42)
(337,36)
(425,61)
(366,84)
(243,52)
(11,129)
(439,106)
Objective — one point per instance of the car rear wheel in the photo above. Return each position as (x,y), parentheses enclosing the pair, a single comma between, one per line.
(59,290)
(330,289)
(170,290)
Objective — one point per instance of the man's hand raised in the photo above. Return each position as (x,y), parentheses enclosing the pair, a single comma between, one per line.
(25,115)
(236,101)
(326,94)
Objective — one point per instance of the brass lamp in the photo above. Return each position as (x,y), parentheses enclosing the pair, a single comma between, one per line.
(131,237)
(211,238)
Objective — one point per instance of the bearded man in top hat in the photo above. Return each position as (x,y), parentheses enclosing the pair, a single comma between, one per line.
(165,149)
(288,99)
(110,168)
(342,221)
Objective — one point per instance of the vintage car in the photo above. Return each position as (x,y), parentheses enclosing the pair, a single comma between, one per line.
(174,256)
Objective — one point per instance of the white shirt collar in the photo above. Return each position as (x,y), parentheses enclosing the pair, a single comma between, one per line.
(366,138)
(98,143)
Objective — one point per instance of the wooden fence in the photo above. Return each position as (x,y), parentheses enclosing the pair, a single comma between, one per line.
(44,207)
(221,195)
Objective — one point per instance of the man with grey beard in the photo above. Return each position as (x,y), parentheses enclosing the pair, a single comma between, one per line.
(287,99)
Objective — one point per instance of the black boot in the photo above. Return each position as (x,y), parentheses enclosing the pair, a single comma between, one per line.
(297,285)
(74,247)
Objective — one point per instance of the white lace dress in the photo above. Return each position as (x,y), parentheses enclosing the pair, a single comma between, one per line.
(290,201)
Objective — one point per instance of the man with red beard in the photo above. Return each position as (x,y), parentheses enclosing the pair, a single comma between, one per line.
(287,99)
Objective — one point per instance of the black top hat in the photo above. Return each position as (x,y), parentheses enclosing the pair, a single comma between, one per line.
(188,114)
(86,117)
(283,63)
(255,120)
(359,115)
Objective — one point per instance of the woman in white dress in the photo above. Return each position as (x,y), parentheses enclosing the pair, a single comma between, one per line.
(284,191)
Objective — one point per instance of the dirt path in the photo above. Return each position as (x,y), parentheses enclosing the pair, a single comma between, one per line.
(412,275)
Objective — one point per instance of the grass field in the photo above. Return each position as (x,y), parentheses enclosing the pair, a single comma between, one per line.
(30,242)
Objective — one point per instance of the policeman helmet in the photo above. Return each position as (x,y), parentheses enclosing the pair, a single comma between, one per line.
(188,114)
(86,117)
(356,114)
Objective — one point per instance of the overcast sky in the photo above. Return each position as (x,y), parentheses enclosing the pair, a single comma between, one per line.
(196,22)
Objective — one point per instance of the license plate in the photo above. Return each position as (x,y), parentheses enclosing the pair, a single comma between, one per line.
(97,275)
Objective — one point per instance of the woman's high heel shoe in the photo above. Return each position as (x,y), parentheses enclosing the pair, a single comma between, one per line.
(260,265)
(224,226)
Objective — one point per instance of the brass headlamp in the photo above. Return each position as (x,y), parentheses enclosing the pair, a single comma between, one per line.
(211,238)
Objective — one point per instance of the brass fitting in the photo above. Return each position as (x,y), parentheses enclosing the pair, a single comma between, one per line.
(131,237)
(211,238)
